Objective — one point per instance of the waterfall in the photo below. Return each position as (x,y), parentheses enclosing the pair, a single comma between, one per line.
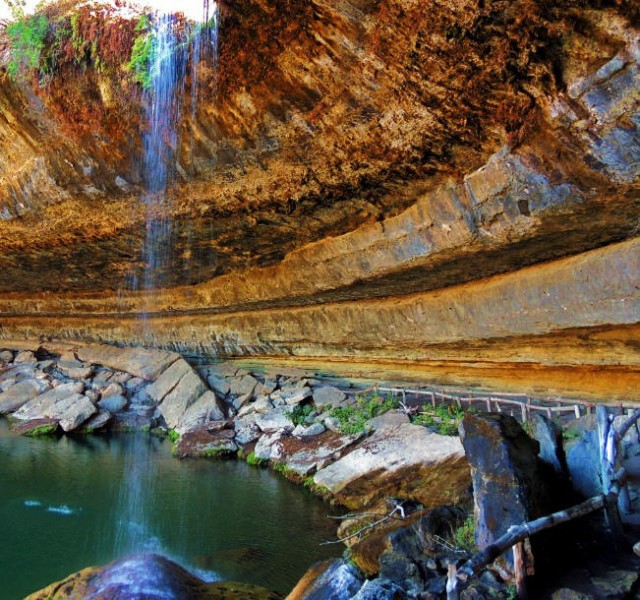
(163,102)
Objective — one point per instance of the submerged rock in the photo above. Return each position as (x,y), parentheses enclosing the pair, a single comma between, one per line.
(146,577)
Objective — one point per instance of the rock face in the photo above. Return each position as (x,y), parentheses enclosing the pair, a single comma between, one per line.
(405,462)
(510,486)
(346,194)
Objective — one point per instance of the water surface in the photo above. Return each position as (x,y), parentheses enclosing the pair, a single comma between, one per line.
(67,503)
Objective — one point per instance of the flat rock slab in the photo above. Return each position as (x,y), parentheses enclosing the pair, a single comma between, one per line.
(206,441)
(408,461)
(145,363)
(40,406)
(19,394)
(307,455)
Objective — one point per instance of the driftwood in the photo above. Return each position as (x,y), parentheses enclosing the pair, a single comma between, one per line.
(397,512)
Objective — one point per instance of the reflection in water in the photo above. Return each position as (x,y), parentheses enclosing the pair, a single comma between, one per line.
(223,520)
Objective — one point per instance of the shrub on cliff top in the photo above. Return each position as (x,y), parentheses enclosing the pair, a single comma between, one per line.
(27,41)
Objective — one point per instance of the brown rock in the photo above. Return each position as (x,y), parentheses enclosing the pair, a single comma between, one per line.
(406,462)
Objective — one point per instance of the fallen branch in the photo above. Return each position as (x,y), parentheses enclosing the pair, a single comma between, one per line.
(517,533)
(398,509)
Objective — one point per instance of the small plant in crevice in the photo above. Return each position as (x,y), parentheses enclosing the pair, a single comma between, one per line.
(464,537)
(442,419)
(173,435)
(352,418)
(255,461)
(299,414)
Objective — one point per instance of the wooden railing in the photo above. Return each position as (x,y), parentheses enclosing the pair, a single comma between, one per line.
(520,406)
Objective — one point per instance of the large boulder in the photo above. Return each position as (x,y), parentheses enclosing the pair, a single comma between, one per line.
(333,579)
(42,405)
(204,410)
(407,461)
(328,395)
(147,576)
(19,394)
(510,484)
(176,390)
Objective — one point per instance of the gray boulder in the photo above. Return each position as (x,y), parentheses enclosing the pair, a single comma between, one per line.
(328,395)
(19,394)
(40,406)
(204,410)
(276,420)
(25,356)
(510,484)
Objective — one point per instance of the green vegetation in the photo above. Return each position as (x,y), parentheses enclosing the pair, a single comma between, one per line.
(256,461)
(27,41)
(173,435)
(143,54)
(47,429)
(219,452)
(442,419)
(465,536)
(314,488)
(299,414)
(352,418)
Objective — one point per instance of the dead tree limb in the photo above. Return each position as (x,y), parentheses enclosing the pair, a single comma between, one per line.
(517,533)
(397,512)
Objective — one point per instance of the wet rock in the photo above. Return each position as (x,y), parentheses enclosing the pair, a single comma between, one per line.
(147,576)
(35,427)
(569,594)
(329,580)
(113,404)
(328,395)
(408,462)
(205,409)
(207,442)
(510,486)
(25,356)
(19,394)
(276,420)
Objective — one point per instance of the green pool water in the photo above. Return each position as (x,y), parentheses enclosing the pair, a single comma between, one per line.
(70,502)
